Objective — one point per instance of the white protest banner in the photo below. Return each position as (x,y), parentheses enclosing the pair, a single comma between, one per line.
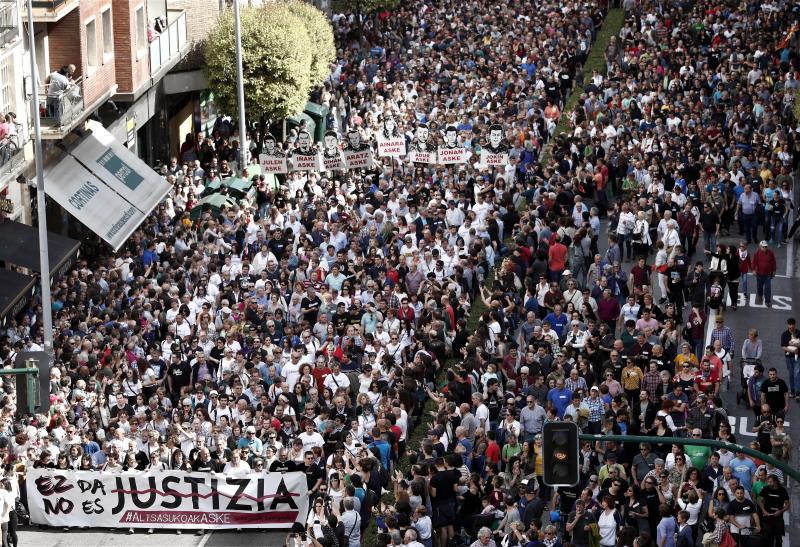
(273,163)
(166,499)
(391,147)
(361,159)
(302,160)
(487,158)
(448,156)
(333,162)
(418,156)
(390,142)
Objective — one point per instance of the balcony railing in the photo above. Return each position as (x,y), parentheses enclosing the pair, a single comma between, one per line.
(12,155)
(9,30)
(168,45)
(48,4)
(61,108)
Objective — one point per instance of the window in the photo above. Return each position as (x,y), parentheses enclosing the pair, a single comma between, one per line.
(141,31)
(108,35)
(91,44)
(6,83)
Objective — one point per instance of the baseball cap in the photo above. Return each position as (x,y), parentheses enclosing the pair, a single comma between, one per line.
(764,243)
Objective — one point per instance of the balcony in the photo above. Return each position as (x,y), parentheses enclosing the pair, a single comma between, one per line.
(170,46)
(59,109)
(9,27)
(50,11)
(12,155)
(62,111)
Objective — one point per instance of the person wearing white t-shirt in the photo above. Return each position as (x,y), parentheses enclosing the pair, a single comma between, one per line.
(237,466)
(336,380)
(310,438)
(481,410)
(291,370)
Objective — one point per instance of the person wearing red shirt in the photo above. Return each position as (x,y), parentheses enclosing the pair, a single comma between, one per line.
(764,265)
(405,312)
(557,259)
(707,380)
(608,310)
(492,449)
(716,362)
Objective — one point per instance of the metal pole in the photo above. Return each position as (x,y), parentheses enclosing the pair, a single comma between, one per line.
(783,466)
(240,81)
(44,252)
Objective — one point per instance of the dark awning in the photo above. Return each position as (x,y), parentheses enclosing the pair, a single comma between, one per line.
(19,245)
(15,291)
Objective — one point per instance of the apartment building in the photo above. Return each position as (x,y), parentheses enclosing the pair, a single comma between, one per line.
(100,62)
(12,101)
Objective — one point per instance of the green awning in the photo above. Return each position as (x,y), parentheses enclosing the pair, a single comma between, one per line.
(239,188)
(314,109)
(212,186)
(214,203)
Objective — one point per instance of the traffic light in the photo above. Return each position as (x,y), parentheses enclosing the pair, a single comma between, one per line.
(560,452)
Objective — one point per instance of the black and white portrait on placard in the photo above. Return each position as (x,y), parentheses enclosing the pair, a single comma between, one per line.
(354,143)
(390,129)
(423,150)
(357,152)
(451,137)
(330,144)
(421,142)
(496,144)
(495,152)
(272,159)
(271,149)
(305,157)
(451,151)
(305,147)
(332,157)
(390,142)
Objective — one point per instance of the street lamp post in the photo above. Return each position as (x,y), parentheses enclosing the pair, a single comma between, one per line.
(243,147)
(44,253)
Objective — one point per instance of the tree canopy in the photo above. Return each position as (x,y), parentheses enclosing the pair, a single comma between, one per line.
(321,35)
(286,50)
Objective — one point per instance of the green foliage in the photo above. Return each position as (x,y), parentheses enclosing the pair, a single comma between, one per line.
(277,56)
(320,34)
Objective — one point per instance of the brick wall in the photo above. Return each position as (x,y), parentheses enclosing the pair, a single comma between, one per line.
(200,16)
(131,71)
(104,77)
(64,48)
(67,44)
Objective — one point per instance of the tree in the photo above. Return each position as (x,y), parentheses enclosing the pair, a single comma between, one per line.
(277,57)
(321,35)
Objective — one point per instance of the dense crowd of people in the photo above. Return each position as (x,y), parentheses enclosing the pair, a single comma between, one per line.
(307,329)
